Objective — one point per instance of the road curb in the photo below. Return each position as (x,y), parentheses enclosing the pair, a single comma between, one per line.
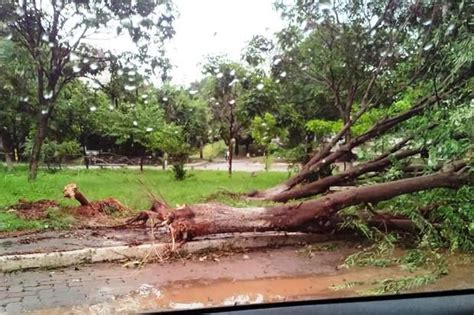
(10,263)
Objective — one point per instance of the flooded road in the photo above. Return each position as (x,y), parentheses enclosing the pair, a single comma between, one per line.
(250,277)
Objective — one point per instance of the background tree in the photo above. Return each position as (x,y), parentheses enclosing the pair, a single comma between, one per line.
(402,73)
(268,134)
(15,93)
(54,33)
(223,89)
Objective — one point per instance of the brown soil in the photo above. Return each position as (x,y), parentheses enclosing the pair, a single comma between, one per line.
(103,207)
(33,209)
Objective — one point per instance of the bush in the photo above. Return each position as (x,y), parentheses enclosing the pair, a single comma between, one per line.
(179,171)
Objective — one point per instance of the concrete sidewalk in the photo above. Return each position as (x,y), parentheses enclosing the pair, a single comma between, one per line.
(61,249)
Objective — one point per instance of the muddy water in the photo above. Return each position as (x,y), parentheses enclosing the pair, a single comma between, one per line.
(250,278)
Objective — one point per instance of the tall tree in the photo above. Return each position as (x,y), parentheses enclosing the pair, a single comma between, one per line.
(410,50)
(223,89)
(55,34)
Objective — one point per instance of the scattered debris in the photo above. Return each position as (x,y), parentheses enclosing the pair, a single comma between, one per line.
(34,210)
(147,290)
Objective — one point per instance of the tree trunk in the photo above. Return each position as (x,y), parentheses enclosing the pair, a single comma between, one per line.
(216,219)
(72,192)
(322,185)
(201,153)
(37,145)
(142,157)
(236,148)
(7,150)
(230,149)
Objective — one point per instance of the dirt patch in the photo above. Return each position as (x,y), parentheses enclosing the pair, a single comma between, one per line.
(34,210)
(108,206)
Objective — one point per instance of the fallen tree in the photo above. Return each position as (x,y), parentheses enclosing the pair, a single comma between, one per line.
(205,219)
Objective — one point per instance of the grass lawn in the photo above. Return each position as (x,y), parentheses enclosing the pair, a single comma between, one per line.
(124,185)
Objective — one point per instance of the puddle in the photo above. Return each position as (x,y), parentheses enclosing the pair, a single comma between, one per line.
(214,289)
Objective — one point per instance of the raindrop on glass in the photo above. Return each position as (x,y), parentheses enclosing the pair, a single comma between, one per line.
(144,96)
(132,73)
(193,92)
(129,87)
(73,57)
(111,107)
(277,81)
(233,82)
(45,37)
(427,23)
(9,36)
(76,69)
(232,73)
(135,123)
(428,47)
(260,86)
(120,72)
(51,45)
(48,95)
(219,75)
(19,11)
(24,99)
(165,99)
(232,102)
(216,103)
(94,66)
(93,108)
(145,102)
(44,111)
(283,74)
(276,61)
(450,29)
(149,129)
(85,60)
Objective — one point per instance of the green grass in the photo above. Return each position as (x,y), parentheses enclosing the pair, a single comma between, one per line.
(124,185)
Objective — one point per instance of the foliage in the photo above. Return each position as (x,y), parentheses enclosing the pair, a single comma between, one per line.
(395,286)
(54,35)
(380,254)
(267,133)
(54,152)
(323,128)
(179,171)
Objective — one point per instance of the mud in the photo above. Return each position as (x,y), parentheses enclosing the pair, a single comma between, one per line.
(105,207)
(33,210)
(259,277)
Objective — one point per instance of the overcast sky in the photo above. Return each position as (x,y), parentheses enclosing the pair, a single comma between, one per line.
(216,27)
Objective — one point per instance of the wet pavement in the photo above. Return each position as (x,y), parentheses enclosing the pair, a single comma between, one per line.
(241,165)
(107,283)
(51,241)
(206,280)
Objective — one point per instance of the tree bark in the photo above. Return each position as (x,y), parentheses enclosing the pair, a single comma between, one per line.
(72,192)
(37,145)
(325,157)
(7,150)
(201,147)
(216,219)
(322,185)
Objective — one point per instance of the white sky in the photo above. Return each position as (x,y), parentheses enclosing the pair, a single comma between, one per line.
(208,27)
(205,27)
